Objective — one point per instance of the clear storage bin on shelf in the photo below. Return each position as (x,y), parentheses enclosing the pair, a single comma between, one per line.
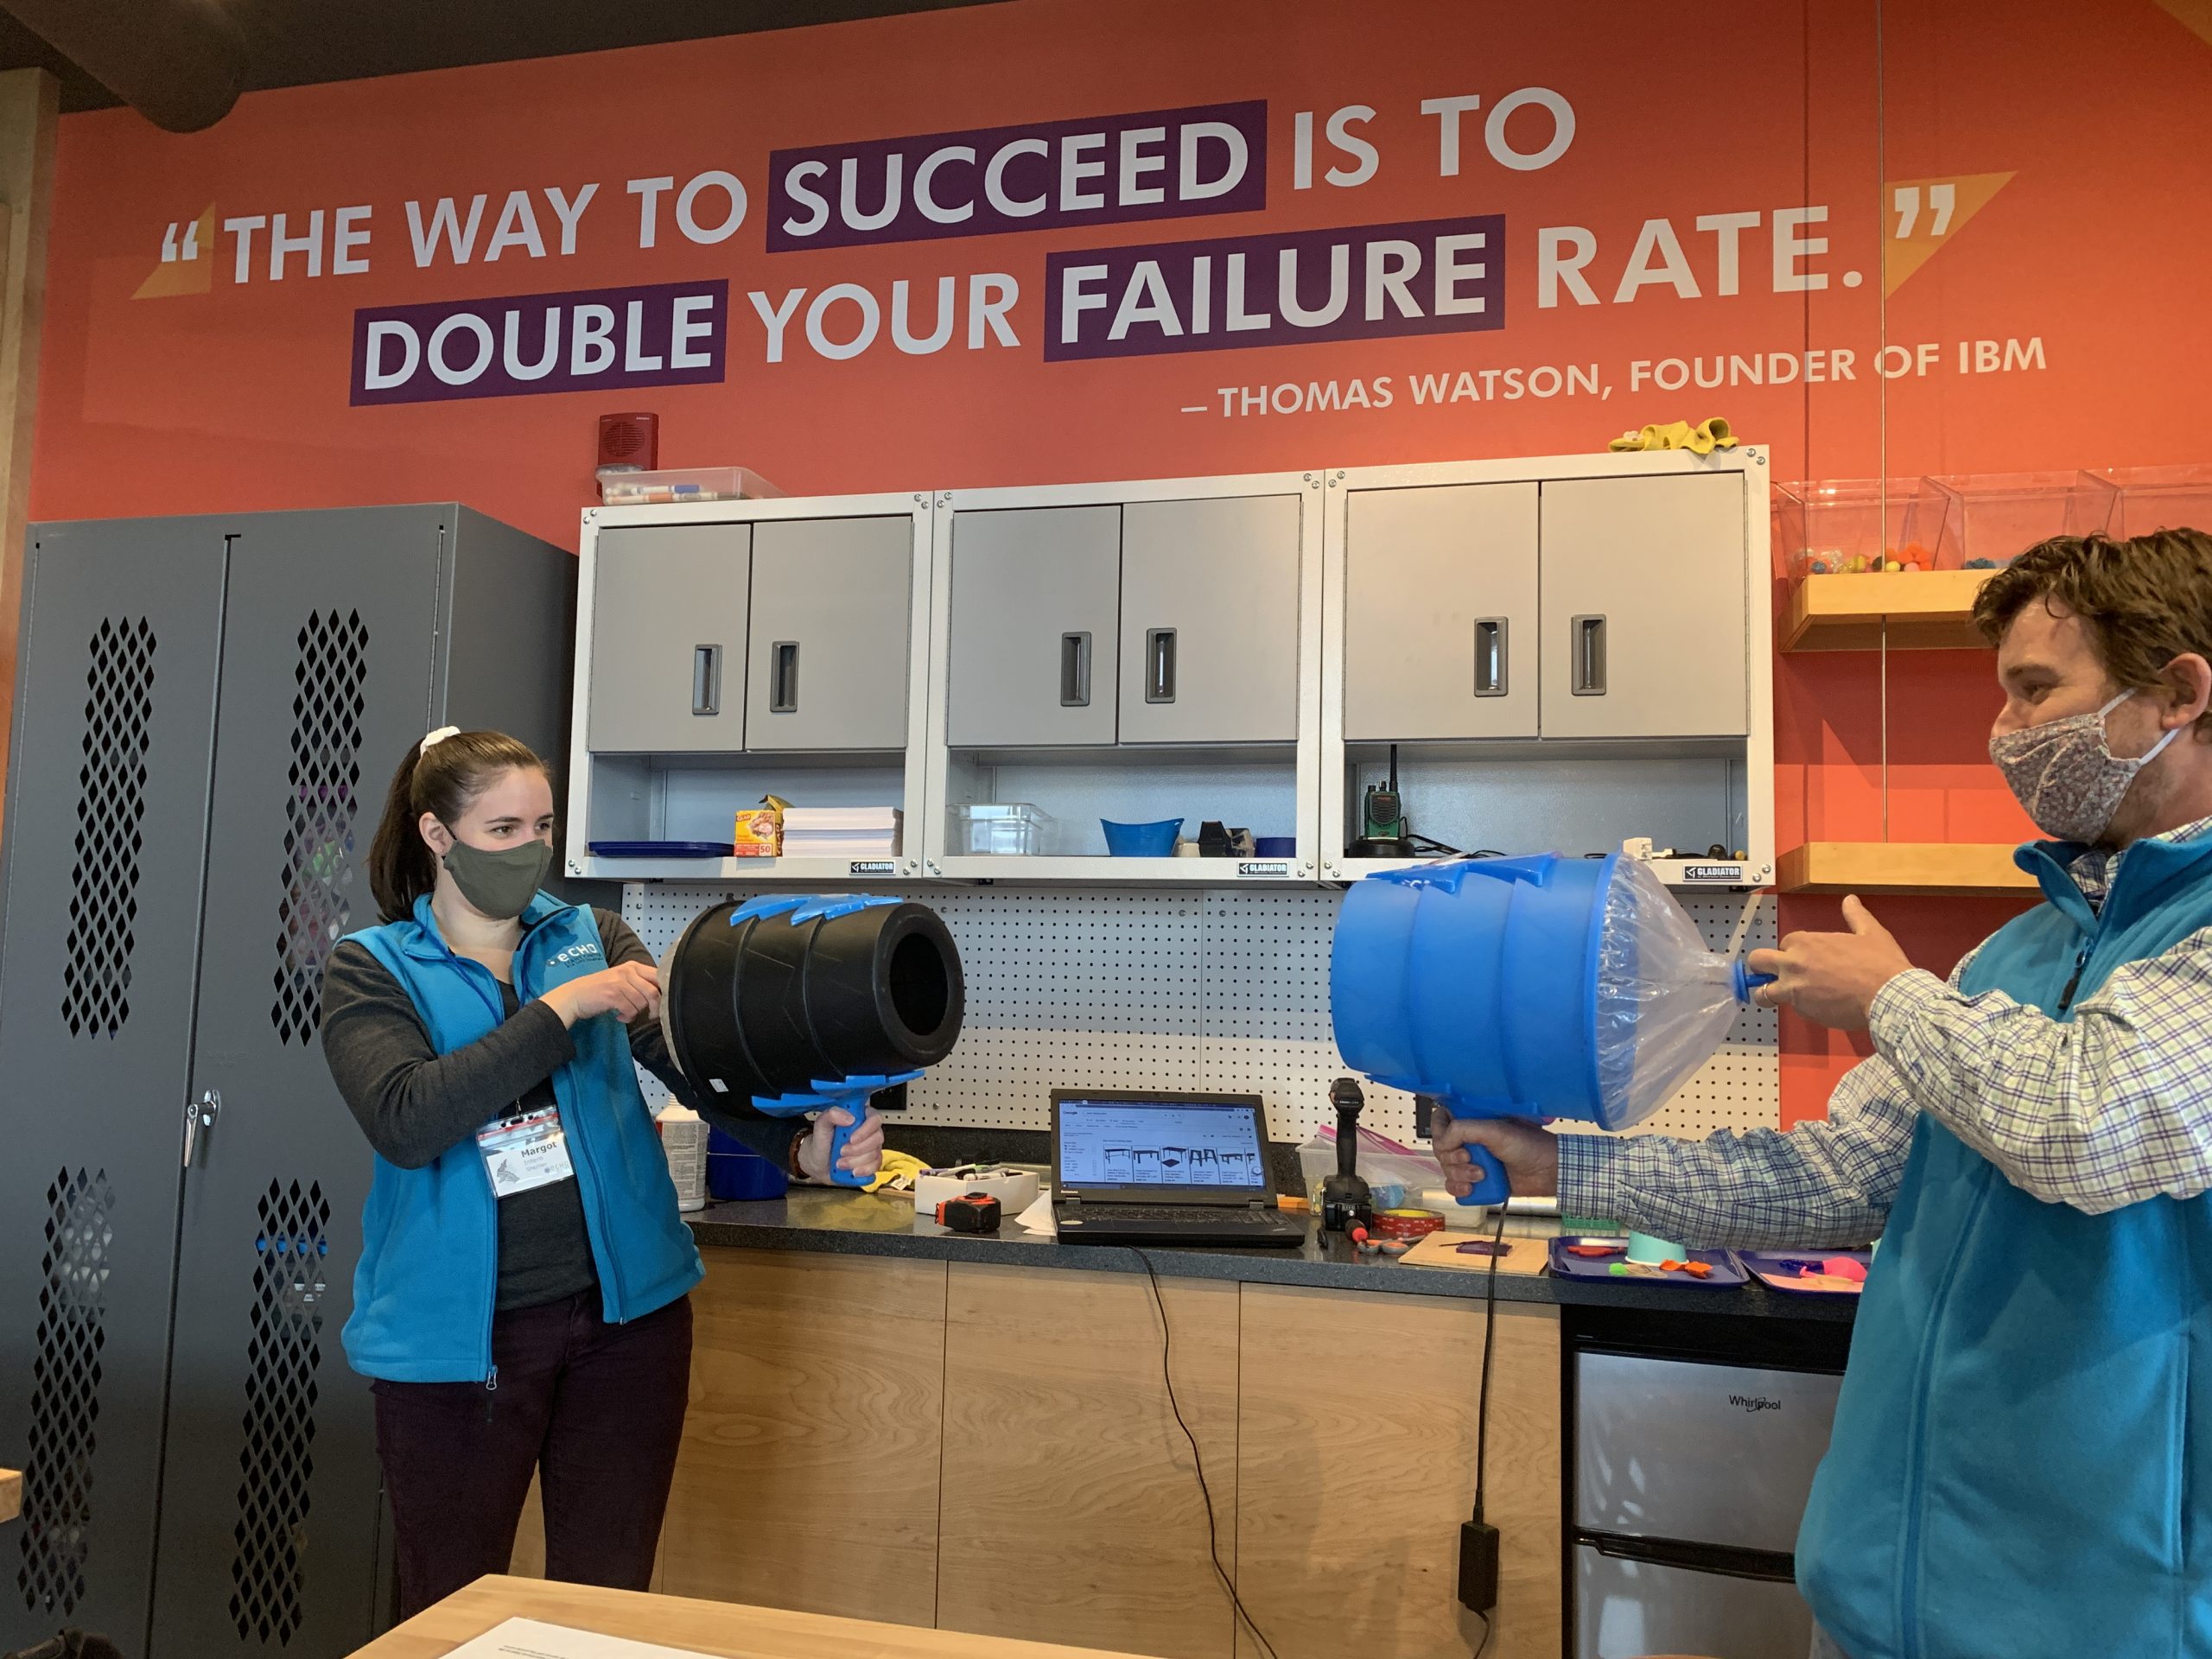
(1011,827)
(1983,521)
(2159,498)
(677,486)
(1851,525)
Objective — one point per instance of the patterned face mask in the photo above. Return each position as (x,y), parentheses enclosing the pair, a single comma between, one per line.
(2064,772)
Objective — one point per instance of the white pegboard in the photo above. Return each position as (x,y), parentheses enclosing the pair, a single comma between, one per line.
(1225,990)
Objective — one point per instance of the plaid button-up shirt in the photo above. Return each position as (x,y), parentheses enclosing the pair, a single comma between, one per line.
(2115,1107)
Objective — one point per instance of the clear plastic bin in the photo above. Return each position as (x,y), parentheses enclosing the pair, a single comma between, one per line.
(2159,498)
(1008,827)
(676,485)
(1986,520)
(1846,525)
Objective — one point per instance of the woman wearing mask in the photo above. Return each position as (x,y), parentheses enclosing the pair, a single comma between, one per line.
(521,1301)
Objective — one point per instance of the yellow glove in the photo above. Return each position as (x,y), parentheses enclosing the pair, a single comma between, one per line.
(1700,440)
(897,1166)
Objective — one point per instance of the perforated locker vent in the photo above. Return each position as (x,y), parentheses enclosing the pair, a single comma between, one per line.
(325,779)
(65,1392)
(110,806)
(268,1573)
(1224,989)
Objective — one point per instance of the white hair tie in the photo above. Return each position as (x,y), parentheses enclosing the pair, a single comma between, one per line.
(438,736)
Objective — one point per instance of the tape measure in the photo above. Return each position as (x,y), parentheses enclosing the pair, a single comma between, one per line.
(972,1212)
(1406,1224)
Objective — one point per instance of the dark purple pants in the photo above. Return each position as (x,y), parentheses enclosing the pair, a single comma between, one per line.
(595,1409)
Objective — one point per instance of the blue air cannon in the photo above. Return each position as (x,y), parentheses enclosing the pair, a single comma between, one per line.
(800,1002)
(1544,987)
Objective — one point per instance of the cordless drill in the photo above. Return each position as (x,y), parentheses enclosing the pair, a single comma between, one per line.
(1345,1203)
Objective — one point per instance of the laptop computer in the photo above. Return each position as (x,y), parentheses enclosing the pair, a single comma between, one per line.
(1143,1167)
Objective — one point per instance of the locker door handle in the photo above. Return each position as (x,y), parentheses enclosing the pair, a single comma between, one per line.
(706,679)
(1075,670)
(1589,651)
(1490,655)
(783,677)
(1159,665)
(199,1117)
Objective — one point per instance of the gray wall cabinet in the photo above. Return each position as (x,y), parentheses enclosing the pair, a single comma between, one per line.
(669,629)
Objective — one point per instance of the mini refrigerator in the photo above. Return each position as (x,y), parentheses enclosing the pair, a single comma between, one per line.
(1689,1478)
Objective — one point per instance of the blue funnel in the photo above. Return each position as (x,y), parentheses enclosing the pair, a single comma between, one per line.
(1542,987)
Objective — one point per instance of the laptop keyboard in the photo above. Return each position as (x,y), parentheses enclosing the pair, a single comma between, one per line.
(1206,1213)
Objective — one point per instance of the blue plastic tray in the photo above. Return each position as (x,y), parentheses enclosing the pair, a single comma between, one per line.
(664,849)
(1766,1266)
(1727,1272)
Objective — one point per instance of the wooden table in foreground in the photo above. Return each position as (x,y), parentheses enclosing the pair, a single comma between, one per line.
(710,1627)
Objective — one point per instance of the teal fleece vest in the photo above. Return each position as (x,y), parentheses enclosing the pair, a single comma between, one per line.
(424,1294)
(2020,1465)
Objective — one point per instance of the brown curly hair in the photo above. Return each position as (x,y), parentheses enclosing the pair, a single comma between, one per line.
(2145,600)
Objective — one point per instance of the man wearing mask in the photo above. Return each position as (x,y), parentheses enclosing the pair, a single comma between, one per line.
(2018,1467)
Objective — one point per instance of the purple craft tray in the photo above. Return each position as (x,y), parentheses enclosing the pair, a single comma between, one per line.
(1766,1266)
(1727,1273)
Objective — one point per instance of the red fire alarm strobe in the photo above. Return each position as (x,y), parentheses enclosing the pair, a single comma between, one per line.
(629,443)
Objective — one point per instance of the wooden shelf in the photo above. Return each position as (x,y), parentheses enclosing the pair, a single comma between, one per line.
(1864,866)
(1920,610)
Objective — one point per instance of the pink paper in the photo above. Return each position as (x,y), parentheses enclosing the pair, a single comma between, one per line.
(1844,1266)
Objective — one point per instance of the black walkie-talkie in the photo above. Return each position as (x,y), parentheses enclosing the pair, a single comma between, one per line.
(1382,809)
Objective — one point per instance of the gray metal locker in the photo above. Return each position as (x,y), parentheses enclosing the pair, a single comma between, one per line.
(106,839)
(1036,609)
(827,665)
(1643,608)
(1209,621)
(668,631)
(210,831)
(1441,613)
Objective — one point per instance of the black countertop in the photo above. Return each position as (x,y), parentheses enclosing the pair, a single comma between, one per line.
(838,1223)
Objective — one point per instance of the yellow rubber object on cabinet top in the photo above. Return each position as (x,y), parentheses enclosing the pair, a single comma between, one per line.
(1699,440)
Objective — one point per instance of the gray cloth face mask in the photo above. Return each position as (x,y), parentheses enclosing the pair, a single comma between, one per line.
(499,883)
(2064,772)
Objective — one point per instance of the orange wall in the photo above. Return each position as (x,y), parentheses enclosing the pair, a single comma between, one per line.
(2079,136)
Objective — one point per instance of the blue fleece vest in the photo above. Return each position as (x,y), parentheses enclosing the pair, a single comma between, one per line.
(429,1272)
(2019,1467)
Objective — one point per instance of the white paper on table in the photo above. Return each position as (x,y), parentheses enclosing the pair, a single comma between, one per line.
(528,1638)
(1038,1217)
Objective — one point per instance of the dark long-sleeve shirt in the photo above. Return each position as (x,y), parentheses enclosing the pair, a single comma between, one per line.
(415,1104)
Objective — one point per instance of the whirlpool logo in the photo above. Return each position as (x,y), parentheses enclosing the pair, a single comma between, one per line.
(1754,1402)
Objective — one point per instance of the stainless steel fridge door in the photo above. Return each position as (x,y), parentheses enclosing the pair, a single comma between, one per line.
(1624,1609)
(1710,1454)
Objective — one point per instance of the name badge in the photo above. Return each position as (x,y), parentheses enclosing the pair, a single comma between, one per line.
(521,1153)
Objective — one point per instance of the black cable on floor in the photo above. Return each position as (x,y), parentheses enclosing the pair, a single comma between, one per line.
(1489,1330)
(1198,1463)
(1482,1407)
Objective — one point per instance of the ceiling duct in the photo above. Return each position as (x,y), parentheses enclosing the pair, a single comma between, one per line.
(180,63)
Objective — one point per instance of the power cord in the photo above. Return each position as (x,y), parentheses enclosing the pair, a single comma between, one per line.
(1198,1463)
(1479,1540)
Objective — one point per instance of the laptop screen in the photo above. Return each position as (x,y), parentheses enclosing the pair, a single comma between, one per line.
(1108,1143)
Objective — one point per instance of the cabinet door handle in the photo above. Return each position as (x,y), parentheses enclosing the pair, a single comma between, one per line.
(199,1117)
(1159,665)
(706,679)
(783,677)
(1490,655)
(1589,643)
(1075,670)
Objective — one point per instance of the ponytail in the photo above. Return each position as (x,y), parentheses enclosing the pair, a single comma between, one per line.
(441,776)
